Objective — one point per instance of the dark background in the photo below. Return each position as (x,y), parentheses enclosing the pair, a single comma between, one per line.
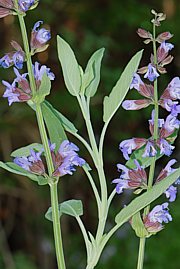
(26,240)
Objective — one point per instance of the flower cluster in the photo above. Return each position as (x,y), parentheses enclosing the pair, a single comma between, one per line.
(16,57)
(163,131)
(8,7)
(153,221)
(20,90)
(64,160)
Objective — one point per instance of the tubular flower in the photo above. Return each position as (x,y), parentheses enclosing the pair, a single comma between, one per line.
(39,38)
(127,146)
(130,178)
(151,73)
(31,163)
(170,94)
(19,90)
(65,159)
(39,71)
(153,221)
(25,5)
(171,191)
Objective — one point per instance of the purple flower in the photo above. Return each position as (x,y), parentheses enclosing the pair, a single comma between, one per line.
(39,38)
(39,71)
(127,146)
(25,5)
(166,46)
(170,106)
(165,147)
(16,57)
(6,61)
(151,74)
(153,221)
(151,122)
(66,159)
(150,150)
(170,125)
(136,82)
(136,104)
(31,163)
(174,88)
(11,93)
(19,90)
(121,184)
(160,213)
(171,193)
(130,178)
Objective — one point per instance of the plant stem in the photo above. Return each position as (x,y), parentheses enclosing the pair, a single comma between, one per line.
(56,226)
(141,253)
(153,163)
(53,181)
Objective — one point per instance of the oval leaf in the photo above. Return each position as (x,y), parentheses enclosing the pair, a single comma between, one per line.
(71,71)
(16,169)
(53,124)
(146,198)
(92,73)
(118,93)
(72,208)
(25,151)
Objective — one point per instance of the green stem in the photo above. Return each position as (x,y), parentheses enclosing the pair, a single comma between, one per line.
(142,242)
(84,233)
(44,139)
(56,226)
(98,161)
(153,163)
(53,182)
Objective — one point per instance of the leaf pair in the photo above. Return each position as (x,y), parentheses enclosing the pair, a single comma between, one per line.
(77,81)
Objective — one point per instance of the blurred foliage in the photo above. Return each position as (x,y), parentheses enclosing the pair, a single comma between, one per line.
(26,237)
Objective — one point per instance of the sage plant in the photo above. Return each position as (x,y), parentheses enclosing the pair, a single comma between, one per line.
(56,156)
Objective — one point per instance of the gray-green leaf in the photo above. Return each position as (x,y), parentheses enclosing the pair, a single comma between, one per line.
(118,93)
(25,151)
(16,169)
(138,225)
(146,198)
(71,71)
(72,208)
(92,73)
(54,126)
(43,90)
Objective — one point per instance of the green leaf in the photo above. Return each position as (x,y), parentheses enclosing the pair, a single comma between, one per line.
(43,90)
(72,208)
(118,93)
(67,125)
(92,73)
(146,198)
(54,126)
(138,226)
(25,151)
(16,169)
(70,67)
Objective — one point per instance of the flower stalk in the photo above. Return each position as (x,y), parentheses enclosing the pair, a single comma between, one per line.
(52,181)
